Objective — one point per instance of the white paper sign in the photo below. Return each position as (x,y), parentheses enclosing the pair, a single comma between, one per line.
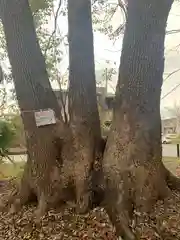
(44,117)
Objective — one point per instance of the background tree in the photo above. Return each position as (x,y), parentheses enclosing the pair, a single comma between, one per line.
(175,112)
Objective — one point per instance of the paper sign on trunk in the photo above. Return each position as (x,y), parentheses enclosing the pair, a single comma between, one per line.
(45,117)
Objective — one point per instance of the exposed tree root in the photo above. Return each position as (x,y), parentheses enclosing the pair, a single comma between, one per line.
(63,182)
(32,188)
(137,187)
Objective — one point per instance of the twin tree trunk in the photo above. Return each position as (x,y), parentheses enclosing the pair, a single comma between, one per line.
(132,164)
(48,174)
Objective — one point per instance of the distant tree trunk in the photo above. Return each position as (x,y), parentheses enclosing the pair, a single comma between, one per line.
(33,92)
(84,116)
(132,163)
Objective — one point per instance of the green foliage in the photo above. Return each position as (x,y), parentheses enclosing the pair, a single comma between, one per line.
(37,5)
(51,50)
(6,135)
(50,43)
(19,136)
(105,17)
(9,170)
(11,135)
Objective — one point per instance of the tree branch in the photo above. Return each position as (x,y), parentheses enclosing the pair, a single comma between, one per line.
(170,74)
(172,90)
(121,28)
(123,6)
(55,27)
(173,31)
(63,101)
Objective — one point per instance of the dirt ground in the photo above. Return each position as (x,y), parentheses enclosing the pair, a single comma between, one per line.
(61,224)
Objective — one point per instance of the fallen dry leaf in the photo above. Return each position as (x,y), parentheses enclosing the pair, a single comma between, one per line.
(162,224)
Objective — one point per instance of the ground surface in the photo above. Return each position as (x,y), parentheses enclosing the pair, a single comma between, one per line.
(163,223)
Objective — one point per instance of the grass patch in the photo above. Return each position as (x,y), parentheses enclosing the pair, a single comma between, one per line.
(9,170)
(175,141)
(171,163)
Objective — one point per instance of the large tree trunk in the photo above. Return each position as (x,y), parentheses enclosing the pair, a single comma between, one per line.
(84,116)
(33,92)
(132,163)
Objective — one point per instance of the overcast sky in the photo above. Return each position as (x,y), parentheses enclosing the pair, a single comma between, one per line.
(105,50)
(172,57)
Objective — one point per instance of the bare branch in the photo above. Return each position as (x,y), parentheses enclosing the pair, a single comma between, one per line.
(172,90)
(109,17)
(121,28)
(172,73)
(175,48)
(10,159)
(118,30)
(123,6)
(173,31)
(113,88)
(5,154)
(177,86)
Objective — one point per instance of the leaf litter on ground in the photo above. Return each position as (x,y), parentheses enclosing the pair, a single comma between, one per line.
(163,223)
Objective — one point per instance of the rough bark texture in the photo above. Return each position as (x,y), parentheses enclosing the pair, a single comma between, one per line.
(134,173)
(84,116)
(34,92)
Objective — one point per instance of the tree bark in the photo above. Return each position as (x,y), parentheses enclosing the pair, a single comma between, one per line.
(84,116)
(132,163)
(33,92)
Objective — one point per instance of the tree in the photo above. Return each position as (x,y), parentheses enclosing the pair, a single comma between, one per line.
(175,112)
(47,173)
(84,116)
(132,164)
(132,167)
(34,93)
